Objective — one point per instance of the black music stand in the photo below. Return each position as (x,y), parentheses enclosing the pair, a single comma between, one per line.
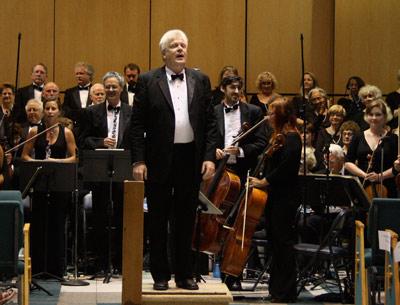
(107,165)
(205,206)
(343,191)
(46,176)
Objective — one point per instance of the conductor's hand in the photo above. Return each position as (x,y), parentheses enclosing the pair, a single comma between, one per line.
(219,154)
(207,169)
(110,142)
(139,171)
(397,164)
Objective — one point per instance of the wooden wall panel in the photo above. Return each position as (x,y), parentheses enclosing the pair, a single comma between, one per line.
(215,30)
(107,34)
(34,20)
(274,29)
(366,42)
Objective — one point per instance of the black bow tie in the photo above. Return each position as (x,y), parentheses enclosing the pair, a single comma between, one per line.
(83,88)
(175,76)
(229,109)
(132,88)
(33,124)
(38,88)
(112,108)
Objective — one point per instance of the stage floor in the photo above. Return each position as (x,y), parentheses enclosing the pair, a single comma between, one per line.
(110,294)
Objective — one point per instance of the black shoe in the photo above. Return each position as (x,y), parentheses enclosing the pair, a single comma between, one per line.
(188,284)
(160,285)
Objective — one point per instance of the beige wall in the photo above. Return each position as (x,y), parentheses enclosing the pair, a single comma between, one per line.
(341,37)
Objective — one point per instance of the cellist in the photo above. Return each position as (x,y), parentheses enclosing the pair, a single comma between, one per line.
(231,114)
(280,179)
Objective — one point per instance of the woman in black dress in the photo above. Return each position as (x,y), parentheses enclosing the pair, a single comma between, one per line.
(280,180)
(55,145)
(376,141)
(266,84)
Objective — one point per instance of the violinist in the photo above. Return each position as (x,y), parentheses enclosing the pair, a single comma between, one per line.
(280,180)
(372,147)
(231,114)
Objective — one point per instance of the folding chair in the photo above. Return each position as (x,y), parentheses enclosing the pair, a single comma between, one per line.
(392,289)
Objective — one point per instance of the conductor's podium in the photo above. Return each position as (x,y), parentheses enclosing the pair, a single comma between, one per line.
(208,293)
(133,291)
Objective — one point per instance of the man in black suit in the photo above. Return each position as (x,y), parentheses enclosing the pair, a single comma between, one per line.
(76,99)
(131,73)
(107,126)
(34,90)
(231,114)
(173,142)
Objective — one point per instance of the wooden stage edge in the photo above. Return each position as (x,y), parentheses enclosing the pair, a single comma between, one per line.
(208,293)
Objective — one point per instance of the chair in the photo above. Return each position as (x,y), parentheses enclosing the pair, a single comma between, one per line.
(392,285)
(14,258)
(321,256)
(384,214)
(360,276)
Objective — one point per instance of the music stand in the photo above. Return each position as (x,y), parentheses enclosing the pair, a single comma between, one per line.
(46,176)
(343,191)
(107,165)
(205,206)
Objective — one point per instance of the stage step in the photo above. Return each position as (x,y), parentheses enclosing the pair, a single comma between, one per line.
(209,293)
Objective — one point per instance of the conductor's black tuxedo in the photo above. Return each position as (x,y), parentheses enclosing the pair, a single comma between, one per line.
(174,170)
(252,145)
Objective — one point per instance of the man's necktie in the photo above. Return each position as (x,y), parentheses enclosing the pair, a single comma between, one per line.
(175,76)
(83,88)
(229,109)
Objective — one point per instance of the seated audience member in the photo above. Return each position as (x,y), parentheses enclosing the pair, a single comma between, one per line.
(330,134)
(393,101)
(266,84)
(348,130)
(352,103)
(32,91)
(131,74)
(55,145)
(309,81)
(217,95)
(97,94)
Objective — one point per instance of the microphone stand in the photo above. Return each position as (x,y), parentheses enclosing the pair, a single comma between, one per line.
(75,281)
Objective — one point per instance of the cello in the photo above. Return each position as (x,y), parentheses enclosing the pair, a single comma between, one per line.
(250,209)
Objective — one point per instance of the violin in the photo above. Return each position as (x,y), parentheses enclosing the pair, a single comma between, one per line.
(251,207)
(374,189)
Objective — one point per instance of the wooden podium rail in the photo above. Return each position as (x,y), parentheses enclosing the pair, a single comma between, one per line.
(132,260)
(132,243)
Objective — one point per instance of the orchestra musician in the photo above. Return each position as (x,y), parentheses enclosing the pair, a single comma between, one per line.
(55,145)
(280,179)
(173,142)
(376,141)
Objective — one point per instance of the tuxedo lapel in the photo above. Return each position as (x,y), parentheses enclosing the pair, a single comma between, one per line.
(244,113)
(124,117)
(163,83)
(77,98)
(219,113)
(102,116)
(190,83)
